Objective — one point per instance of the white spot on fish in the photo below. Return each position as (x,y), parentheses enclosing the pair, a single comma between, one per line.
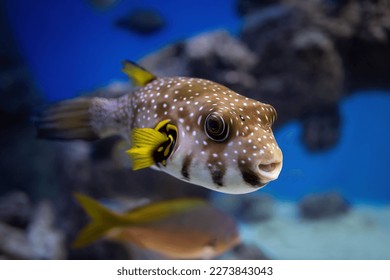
(199,119)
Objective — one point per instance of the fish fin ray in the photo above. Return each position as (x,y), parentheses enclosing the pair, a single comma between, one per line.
(66,120)
(89,234)
(145,141)
(137,74)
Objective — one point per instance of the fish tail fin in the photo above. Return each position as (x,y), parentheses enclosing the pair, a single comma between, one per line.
(103,220)
(66,120)
(79,118)
(137,74)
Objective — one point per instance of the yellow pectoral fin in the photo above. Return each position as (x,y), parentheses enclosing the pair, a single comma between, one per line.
(147,137)
(145,142)
(141,157)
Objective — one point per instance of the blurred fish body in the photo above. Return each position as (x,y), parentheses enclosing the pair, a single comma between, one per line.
(185,228)
(193,129)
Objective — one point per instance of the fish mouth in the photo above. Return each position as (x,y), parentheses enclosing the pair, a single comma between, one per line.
(262,174)
(269,171)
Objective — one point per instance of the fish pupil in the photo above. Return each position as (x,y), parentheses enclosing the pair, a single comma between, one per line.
(216,128)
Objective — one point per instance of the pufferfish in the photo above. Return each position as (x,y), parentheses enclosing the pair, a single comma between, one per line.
(194,129)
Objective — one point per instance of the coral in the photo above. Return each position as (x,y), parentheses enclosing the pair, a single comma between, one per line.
(36,237)
(15,209)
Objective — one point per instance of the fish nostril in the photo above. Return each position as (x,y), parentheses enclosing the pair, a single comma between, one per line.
(269,167)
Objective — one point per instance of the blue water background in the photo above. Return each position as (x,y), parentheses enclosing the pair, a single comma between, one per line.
(357,167)
(71,48)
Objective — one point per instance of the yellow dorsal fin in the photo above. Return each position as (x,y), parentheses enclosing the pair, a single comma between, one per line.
(137,74)
(145,141)
(160,210)
(102,221)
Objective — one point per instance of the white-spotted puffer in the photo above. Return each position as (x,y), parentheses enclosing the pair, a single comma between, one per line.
(194,129)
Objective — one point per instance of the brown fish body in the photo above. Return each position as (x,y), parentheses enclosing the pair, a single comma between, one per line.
(202,233)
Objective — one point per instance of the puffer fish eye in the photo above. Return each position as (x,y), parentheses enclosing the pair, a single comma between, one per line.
(216,128)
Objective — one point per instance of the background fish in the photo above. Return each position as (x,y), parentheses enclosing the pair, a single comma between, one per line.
(103,4)
(194,129)
(178,228)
